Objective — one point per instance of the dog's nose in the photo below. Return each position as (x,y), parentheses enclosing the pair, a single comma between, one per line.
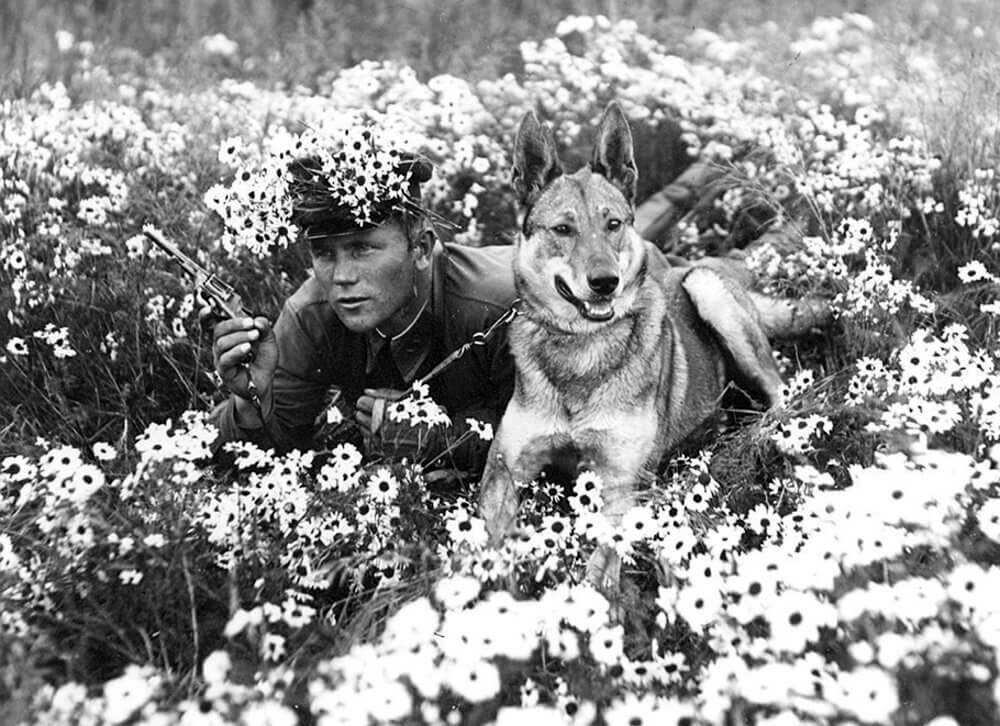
(604,284)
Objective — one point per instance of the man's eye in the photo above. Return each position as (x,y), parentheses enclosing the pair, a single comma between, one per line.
(614,224)
(563,230)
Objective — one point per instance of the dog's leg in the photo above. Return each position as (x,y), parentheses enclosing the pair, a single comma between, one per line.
(618,457)
(510,462)
(604,568)
(604,572)
(498,500)
(519,450)
(730,313)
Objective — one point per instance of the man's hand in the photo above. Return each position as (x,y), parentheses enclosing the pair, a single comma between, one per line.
(243,348)
(369,411)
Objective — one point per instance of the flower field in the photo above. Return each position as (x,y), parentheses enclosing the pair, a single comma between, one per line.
(832,561)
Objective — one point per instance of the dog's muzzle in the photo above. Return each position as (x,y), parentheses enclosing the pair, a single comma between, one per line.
(596,311)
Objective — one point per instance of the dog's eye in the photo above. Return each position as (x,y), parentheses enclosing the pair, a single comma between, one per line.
(563,230)
(614,224)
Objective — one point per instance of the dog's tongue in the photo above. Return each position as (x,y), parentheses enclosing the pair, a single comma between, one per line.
(597,312)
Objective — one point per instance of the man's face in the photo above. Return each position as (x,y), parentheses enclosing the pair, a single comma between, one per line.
(369,276)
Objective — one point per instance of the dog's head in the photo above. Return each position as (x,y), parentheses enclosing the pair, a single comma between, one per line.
(579,263)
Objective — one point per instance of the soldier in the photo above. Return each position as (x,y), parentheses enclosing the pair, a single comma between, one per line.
(385,302)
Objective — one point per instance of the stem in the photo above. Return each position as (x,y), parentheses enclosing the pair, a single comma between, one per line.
(451,447)
(194,612)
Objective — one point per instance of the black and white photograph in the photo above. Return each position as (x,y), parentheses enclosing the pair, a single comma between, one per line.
(499,363)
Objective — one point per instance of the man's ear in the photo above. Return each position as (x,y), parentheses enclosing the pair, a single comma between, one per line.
(423,247)
(535,160)
(614,158)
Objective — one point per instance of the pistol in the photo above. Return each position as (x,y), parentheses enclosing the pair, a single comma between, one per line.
(221,295)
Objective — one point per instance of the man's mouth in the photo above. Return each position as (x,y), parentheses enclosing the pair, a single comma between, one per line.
(350,303)
(596,311)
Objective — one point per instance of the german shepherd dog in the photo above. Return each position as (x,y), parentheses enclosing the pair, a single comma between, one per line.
(619,355)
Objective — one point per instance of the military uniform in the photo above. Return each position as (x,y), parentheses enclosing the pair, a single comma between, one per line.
(470,288)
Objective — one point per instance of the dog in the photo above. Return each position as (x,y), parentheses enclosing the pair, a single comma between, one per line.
(618,354)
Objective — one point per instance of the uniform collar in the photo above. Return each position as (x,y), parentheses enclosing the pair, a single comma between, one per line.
(410,349)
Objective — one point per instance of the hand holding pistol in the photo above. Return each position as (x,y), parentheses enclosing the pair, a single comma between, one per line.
(244,348)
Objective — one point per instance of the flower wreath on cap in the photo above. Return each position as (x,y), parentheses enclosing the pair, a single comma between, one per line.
(356,187)
(348,176)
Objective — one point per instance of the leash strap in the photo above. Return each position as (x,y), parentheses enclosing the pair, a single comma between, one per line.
(479,339)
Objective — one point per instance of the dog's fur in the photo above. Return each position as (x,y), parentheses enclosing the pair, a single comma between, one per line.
(619,356)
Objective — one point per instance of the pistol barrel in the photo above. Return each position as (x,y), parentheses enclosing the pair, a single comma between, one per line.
(192,267)
(221,295)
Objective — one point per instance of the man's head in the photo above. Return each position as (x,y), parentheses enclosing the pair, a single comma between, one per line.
(376,272)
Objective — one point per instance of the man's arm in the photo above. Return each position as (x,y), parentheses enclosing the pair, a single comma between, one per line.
(289,404)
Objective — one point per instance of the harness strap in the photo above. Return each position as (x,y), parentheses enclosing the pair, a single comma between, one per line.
(479,339)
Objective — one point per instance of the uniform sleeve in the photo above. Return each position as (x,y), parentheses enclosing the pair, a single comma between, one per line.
(298,395)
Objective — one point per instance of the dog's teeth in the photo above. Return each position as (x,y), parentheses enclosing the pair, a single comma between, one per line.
(598,312)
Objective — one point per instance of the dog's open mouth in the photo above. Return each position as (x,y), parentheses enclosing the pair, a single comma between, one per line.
(597,311)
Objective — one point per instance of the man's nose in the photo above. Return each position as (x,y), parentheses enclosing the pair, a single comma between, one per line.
(345,273)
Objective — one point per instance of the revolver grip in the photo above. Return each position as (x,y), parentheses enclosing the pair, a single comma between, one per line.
(233,306)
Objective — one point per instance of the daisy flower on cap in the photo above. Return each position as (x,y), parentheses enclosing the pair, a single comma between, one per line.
(352,173)
(355,185)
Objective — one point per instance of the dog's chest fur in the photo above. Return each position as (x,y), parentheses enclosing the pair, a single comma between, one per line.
(578,373)
(575,388)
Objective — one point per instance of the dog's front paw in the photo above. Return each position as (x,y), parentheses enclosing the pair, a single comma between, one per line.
(498,501)
(604,572)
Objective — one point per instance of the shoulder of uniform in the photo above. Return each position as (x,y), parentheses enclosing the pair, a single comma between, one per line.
(309,301)
(479,275)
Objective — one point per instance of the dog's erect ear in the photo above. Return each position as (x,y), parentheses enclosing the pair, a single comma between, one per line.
(614,158)
(535,159)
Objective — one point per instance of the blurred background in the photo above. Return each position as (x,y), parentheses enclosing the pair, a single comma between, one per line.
(296,41)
